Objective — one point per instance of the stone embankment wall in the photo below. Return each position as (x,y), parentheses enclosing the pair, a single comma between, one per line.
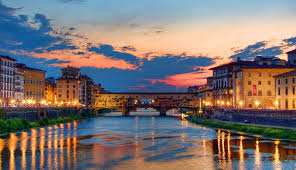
(34,114)
(271,117)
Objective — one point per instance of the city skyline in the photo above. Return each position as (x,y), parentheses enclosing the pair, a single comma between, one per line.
(147,45)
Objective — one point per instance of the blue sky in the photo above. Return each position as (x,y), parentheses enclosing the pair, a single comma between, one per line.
(155,45)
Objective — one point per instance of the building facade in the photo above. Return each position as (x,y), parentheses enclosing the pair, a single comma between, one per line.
(7,80)
(34,84)
(86,93)
(19,87)
(68,87)
(255,86)
(50,91)
(285,90)
(222,82)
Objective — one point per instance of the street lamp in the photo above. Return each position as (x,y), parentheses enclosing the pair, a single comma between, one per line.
(241,104)
(257,103)
(276,104)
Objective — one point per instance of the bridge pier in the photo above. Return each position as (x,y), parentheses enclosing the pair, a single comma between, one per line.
(125,111)
(162,112)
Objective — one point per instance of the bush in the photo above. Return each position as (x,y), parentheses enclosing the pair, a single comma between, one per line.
(2,113)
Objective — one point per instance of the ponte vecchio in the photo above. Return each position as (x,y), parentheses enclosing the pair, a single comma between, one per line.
(162,102)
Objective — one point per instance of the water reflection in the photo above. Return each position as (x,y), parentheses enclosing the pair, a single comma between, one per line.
(141,143)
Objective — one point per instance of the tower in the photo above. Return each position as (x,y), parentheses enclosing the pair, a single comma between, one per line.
(292,57)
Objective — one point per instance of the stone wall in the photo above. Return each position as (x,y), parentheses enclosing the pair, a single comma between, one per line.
(34,114)
(270,117)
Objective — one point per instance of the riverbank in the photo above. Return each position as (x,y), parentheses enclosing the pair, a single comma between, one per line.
(16,124)
(277,133)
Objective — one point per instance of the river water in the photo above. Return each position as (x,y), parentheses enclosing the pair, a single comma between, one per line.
(150,143)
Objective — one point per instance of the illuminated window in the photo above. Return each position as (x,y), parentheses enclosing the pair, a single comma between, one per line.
(249,82)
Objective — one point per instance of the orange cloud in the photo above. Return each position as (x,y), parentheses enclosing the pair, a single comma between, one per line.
(87,59)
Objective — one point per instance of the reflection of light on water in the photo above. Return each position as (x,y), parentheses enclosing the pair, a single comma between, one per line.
(257,156)
(1,148)
(277,162)
(219,145)
(49,138)
(241,153)
(68,144)
(41,146)
(33,148)
(228,148)
(62,146)
(24,141)
(55,144)
(74,145)
(12,143)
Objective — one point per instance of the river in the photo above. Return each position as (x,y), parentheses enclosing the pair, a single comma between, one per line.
(150,143)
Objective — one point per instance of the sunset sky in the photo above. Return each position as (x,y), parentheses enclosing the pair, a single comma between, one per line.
(144,45)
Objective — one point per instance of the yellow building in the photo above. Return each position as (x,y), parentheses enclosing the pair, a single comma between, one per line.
(68,87)
(255,86)
(50,91)
(34,84)
(285,90)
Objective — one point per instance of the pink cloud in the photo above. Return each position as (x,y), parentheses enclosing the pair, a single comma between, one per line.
(184,80)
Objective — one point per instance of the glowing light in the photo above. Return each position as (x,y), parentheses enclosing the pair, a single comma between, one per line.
(12,101)
(222,102)
(228,103)
(29,101)
(276,103)
(257,103)
(218,102)
(43,102)
(33,102)
(24,101)
(240,103)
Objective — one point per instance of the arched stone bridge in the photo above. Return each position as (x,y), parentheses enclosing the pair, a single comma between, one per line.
(162,102)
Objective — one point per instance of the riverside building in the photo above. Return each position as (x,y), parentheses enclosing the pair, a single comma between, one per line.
(34,84)
(7,65)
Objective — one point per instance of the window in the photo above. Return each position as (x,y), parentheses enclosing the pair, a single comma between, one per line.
(279,91)
(287,104)
(67,81)
(294,90)
(279,81)
(259,82)
(60,95)
(293,104)
(286,81)
(73,86)
(60,86)
(260,75)
(269,74)
(67,86)
(249,74)
(287,91)
(293,80)
(268,93)
(249,93)
(259,93)
(269,82)
(249,82)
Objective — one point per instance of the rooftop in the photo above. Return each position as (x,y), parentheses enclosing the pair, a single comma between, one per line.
(293,51)
(6,57)
(291,73)
(233,63)
(272,66)
(23,66)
